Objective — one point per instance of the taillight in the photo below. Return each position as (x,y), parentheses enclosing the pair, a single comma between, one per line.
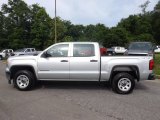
(151,64)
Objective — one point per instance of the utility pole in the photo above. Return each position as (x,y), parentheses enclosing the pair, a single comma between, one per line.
(55,24)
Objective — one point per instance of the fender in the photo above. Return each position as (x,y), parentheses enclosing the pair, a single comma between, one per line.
(132,69)
(16,68)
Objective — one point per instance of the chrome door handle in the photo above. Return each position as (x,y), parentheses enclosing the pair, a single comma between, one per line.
(64,60)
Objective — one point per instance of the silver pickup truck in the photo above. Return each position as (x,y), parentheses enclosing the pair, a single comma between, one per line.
(79,61)
(25,51)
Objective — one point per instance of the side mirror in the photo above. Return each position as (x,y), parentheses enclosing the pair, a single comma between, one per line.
(45,54)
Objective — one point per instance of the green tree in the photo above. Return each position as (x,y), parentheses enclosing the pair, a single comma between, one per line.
(3,40)
(16,22)
(96,33)
(138,25)
(116,37)
(144,6)
(156,22)
(40,27)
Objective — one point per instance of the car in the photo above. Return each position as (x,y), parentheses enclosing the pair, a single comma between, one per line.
(140,49)
(157,49)
(5,53)
(119,50)
(79,61)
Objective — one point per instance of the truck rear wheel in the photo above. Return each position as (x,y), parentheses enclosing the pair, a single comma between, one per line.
(123,83)
(24,80)
(0,57)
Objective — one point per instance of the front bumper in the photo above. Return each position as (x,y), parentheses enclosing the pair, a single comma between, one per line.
(151,76)
(8,75)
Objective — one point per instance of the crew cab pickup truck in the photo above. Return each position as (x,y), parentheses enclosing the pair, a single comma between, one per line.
(79,61)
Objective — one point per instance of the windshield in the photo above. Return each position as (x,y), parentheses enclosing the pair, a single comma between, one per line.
(140,46)
(20,50)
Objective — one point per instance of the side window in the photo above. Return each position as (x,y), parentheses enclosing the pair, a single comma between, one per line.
(118,48)
(83,50)
(28,50)
(32,49)
(58,51)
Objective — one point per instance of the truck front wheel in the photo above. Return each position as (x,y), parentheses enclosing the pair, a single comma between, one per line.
(123,83)
(24,80)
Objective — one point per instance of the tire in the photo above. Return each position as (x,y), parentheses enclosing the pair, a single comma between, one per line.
(123,83)
(24,80)
(0,57)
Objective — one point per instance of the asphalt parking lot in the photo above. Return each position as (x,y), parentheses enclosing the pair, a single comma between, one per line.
(78,101)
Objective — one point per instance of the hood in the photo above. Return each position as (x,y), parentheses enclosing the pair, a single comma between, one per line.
(18,53)
(23,57)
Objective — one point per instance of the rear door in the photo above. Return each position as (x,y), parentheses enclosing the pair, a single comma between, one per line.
(84,63)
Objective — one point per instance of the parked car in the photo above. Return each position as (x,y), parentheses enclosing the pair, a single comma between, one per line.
(119,50)
(140,49)
(157,49)
(79,61)
(25,51)
(110,51)
(5,53)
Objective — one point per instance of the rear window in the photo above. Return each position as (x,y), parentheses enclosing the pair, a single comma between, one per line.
(83,50)
(28,50)
(10,50)
(140,46)
(33,49)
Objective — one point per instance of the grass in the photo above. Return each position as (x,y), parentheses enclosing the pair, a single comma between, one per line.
(157,64)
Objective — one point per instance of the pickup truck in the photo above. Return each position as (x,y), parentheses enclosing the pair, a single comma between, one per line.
(140,49)
(25,51)
(5,53)
(79,61)
(157,49)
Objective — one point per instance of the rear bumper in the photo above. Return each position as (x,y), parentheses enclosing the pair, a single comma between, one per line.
(8,75)
(151,76)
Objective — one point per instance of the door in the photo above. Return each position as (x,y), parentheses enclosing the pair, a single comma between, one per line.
(55,65)
(84,63)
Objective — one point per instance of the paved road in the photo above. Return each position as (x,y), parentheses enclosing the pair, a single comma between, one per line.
(78,101)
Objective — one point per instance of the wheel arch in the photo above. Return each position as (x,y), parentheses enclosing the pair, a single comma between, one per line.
(16,68)
(131,69)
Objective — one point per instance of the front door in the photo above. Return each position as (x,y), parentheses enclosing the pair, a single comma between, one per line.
(56,65)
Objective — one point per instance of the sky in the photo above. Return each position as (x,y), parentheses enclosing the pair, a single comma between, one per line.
(108,12)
